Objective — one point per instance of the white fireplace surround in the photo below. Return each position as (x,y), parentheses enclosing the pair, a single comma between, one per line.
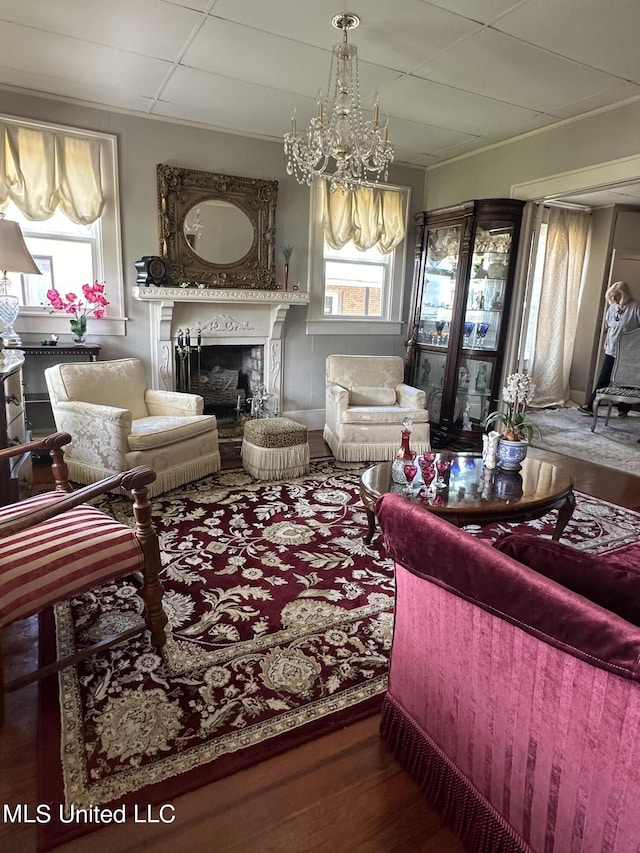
(226,318)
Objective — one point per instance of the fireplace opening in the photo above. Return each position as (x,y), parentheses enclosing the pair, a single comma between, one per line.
(227,377)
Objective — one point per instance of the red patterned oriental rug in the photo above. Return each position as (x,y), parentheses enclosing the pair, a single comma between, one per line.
(281,626)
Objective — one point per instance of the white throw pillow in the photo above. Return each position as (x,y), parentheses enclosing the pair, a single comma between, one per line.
(363,396)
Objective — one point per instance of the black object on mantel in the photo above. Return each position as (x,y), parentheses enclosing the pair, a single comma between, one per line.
(152,269)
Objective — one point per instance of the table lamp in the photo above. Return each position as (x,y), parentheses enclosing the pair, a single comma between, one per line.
(14,257)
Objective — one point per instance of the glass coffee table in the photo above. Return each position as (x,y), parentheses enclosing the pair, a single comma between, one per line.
(476,495)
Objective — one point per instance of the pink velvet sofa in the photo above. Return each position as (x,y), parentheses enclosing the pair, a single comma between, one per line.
(513,696)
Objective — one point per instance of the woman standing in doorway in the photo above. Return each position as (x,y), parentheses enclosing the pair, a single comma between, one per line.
(622,315)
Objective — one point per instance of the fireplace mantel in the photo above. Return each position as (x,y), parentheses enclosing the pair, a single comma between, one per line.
(224,316)
(205,294)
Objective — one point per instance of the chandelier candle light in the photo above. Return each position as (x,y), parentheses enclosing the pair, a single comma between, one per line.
(338,132)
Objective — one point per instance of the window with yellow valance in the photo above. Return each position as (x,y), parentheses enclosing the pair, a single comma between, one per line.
(43,170)
(357,259)
(369,216)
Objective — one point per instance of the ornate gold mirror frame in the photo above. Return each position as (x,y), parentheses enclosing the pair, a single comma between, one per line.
(181,192)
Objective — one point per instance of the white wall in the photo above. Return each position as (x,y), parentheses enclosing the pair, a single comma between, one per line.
(573,145)
(145,142)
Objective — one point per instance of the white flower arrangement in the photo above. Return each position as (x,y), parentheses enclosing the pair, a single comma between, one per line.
(517,394)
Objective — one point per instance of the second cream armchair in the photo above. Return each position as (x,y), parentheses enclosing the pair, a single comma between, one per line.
(116,423)
(366,402)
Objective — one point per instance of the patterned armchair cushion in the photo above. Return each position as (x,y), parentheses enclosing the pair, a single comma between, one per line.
(120,384)
(87,543)
(147,433)
(365,371)
(377,396)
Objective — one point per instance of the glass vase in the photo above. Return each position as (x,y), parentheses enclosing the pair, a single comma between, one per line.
(79,330)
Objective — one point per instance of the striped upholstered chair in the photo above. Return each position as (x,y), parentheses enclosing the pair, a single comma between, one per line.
(54,546)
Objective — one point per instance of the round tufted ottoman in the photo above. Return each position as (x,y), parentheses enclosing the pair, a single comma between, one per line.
(275,448)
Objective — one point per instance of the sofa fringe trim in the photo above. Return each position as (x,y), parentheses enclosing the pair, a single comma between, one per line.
(168,479)
(369,451)
(478,824)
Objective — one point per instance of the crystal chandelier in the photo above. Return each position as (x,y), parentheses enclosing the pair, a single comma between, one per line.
(338,132)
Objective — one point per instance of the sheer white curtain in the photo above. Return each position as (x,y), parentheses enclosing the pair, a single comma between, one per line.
(567,236)
(369,216)
(43,170)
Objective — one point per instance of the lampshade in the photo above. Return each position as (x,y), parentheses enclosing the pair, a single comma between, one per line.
(14,257)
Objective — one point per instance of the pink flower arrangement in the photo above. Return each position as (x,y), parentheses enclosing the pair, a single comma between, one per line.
(93,304)
(94,301)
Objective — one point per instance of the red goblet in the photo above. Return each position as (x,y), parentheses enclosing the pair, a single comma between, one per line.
(410,471)
(427,469)
(442,467)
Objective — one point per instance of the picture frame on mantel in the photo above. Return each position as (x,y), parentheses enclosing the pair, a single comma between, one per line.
(217,231)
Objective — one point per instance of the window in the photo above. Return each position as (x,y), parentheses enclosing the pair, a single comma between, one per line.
(355,291)
(67,253)
(355,282)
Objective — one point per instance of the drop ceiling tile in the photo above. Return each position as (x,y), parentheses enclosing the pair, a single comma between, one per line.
(150,27)
(423,138)
(70,60)
(244,53)
(622,92)
(80,89)
(413,159)
(229,104)
(398,35)
(601,34)
(477,10)
(199,5)
(441,106)
(498,66)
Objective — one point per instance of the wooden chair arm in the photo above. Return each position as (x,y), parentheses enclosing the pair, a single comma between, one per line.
(136,481)
(51,442)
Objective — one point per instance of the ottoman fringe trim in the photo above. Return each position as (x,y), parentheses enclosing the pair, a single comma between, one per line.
(265,463)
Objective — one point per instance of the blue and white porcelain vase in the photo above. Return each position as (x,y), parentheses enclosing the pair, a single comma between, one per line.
(511,453)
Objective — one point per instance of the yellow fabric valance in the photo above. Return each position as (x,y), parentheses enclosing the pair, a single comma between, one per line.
(370,216)
(44,170)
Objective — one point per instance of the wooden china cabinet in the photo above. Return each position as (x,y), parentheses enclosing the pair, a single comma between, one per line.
(463,281)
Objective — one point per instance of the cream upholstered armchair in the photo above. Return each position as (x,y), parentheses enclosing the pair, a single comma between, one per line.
(366,402)
(117,423)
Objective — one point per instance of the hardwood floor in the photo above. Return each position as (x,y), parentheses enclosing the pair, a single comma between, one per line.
(342,792)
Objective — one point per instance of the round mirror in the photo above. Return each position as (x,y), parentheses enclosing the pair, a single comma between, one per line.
(218,231)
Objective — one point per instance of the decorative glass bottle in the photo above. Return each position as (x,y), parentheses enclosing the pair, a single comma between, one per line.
(404,456)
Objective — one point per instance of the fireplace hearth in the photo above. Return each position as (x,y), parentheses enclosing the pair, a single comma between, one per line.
(228,378)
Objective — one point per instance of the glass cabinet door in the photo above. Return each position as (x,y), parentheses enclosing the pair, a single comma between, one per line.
(463,288)
(487,286)
(439,285)
(483,317)
(436,312)
(473,394)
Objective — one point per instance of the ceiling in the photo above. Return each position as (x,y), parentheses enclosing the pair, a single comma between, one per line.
(453,75)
